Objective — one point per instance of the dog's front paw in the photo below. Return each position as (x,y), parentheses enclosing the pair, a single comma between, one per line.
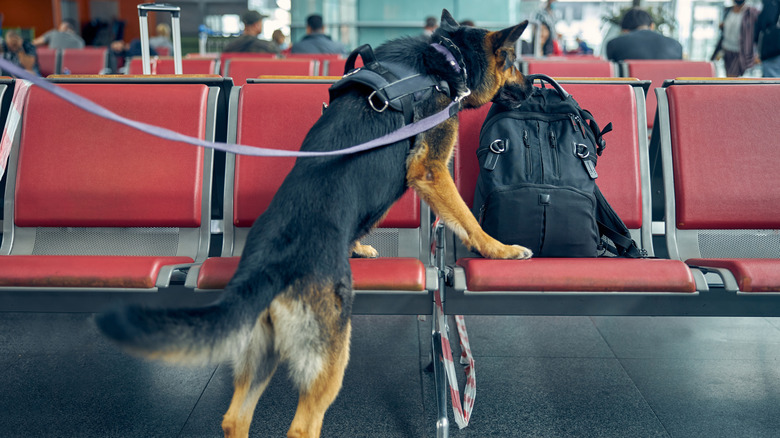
(508,252)
(364,251)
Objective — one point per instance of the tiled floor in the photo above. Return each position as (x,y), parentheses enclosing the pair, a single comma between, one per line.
(536,377)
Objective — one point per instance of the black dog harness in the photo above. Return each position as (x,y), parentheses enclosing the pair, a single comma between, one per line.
(398,87)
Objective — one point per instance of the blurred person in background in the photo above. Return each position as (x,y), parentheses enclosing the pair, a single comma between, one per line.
(63,37)
(19,51)
(767,36)
(161,42)
(639,40)
(736,38)
(248,41)
(315,40)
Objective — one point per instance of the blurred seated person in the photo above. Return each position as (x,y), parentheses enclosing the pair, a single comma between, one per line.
(161,42)
(582,47)
(315,40)
(280,40)
(120,51)
(548,45)
(248,41)
(63,37)
(639,40)
(20,52)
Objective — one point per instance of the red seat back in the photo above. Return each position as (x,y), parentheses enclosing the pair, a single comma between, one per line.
(240,69)
(189,66)
(571,68)
(618,169)
(335,67)
(79,170)
(136,66)
(659,70)
(324,61)
(223,57)
(725,155)
(279,116)
(87,61)
(47,61)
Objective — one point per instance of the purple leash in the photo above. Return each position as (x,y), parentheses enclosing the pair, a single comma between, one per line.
(403,133)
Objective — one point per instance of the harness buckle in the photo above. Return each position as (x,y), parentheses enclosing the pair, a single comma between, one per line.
(371,102)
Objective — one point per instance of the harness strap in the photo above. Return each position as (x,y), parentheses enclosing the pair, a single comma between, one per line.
(393,85)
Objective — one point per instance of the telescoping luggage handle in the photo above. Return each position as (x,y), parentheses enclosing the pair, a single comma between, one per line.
(143,11)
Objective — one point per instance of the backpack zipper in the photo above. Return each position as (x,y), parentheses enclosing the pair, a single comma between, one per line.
(554,152)
(527,144)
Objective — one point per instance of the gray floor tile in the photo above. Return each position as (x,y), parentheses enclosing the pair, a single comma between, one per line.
(711,398)
(690,338)
(380,398)
(534,336)
(88,395)
(50,333)
(557,397)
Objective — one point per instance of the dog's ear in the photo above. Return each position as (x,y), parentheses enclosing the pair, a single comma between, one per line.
(507,37)
(448,23)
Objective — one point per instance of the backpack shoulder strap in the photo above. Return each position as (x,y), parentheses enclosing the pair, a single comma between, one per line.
(611,226)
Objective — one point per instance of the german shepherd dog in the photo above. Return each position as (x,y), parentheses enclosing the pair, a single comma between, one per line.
(291,297)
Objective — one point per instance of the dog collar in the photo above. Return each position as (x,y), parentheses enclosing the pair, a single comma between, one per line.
(446,47)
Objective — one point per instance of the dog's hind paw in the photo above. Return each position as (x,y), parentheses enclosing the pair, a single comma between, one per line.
(364,251)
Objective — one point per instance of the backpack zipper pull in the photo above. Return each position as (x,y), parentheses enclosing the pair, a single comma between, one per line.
(582,125)
(573,122)
(582,151)
(498,147)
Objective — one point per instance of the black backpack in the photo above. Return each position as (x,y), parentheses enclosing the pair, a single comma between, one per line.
(536,185)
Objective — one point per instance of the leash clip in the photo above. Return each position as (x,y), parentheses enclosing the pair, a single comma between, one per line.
(462,95)
(371,102)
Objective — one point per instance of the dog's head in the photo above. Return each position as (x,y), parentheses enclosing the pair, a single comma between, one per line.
(489,57)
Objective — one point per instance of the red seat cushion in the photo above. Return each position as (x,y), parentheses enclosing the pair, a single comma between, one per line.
(83,271)
(79,170)
(367,274)
(297,107)
(725,178)
(659,70)
(578,275)
(752,275)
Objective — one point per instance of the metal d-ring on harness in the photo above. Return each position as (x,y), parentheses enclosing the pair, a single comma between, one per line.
(397,86)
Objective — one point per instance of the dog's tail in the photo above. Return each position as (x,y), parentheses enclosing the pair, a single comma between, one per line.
(195,336)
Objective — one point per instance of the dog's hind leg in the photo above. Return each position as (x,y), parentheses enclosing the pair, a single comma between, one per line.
(253,370)
(312,330)
(315,398)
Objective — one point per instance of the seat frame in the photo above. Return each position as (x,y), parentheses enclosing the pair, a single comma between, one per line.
(459,300)
(193,242)
(684,244)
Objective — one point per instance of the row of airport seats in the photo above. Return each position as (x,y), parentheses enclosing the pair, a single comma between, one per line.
(86,61)
(107,213)
(243,66)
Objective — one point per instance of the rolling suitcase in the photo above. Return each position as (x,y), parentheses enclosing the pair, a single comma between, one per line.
(143,11)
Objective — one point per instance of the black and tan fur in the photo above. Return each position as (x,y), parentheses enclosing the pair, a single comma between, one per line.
(291,298)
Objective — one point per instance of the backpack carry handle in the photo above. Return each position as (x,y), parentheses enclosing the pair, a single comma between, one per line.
(365,52)
(544,78)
